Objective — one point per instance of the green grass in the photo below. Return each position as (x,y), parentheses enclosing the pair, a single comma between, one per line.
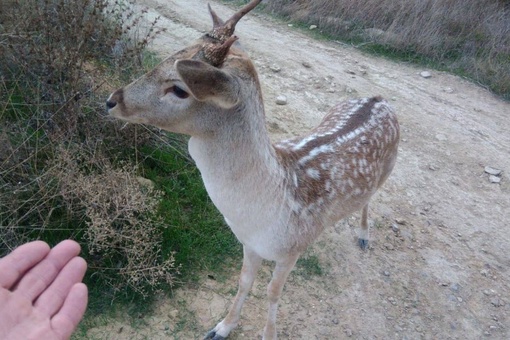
(309,266)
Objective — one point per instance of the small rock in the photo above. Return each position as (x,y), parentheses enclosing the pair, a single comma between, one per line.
(331,90)
(455,287)
(492,171)
(389,246)
(494,179)
(335,321)
(395,228)
(275,68)
(440,137)
(281,100)
(497,302)
(290,25)
(401,221)
(312,27)
(448,90)
(426,74)
(386,273)
(348,332)
(307,65)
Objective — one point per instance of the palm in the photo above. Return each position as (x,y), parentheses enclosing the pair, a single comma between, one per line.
(41,296)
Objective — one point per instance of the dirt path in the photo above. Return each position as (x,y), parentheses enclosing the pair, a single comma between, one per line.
(440,257)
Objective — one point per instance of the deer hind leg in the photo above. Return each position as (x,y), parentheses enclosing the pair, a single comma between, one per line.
(251,264)
(364,233)
(274,291)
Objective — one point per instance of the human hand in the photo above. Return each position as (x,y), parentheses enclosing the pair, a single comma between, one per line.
(41,294)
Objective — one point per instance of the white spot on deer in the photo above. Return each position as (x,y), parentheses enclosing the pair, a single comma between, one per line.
(313,173)
(326,148)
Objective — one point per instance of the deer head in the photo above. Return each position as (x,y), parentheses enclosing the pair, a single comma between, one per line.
(187,92)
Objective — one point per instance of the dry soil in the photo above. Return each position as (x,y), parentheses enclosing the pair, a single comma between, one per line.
(438,266)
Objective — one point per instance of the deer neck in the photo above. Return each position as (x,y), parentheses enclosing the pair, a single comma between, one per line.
(238,148)
(240,169)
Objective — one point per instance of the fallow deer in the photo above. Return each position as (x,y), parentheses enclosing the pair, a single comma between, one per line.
(276,198)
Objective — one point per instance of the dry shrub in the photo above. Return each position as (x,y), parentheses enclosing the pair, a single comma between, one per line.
(122,232)
(48,46)
(59,157)
(469,36)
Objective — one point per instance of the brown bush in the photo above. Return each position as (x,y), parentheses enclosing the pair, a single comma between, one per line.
(123,234)
(48,47)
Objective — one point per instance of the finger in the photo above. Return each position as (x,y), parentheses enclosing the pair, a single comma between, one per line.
(17,263)
(51,300)
(42,275)
(69,316)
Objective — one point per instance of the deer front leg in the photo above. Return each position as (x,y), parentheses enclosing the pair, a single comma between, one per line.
(274,291)
(251,264)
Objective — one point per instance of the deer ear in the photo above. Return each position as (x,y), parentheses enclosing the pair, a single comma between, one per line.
(207,82)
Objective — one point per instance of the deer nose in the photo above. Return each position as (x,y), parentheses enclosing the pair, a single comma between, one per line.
(114,99)
(110,104)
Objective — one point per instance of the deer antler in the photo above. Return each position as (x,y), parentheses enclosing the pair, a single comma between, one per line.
(216,51)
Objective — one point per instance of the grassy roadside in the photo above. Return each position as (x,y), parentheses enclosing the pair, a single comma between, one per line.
(468,38)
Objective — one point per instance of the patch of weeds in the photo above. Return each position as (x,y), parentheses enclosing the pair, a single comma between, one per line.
(186,320)
(309,266)
(378,223)
(232,291)
(407,55)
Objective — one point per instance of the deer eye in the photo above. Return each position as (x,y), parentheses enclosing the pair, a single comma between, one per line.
(179,93)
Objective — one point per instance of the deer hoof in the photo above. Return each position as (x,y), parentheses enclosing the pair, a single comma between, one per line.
(363,244)
(213,336)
